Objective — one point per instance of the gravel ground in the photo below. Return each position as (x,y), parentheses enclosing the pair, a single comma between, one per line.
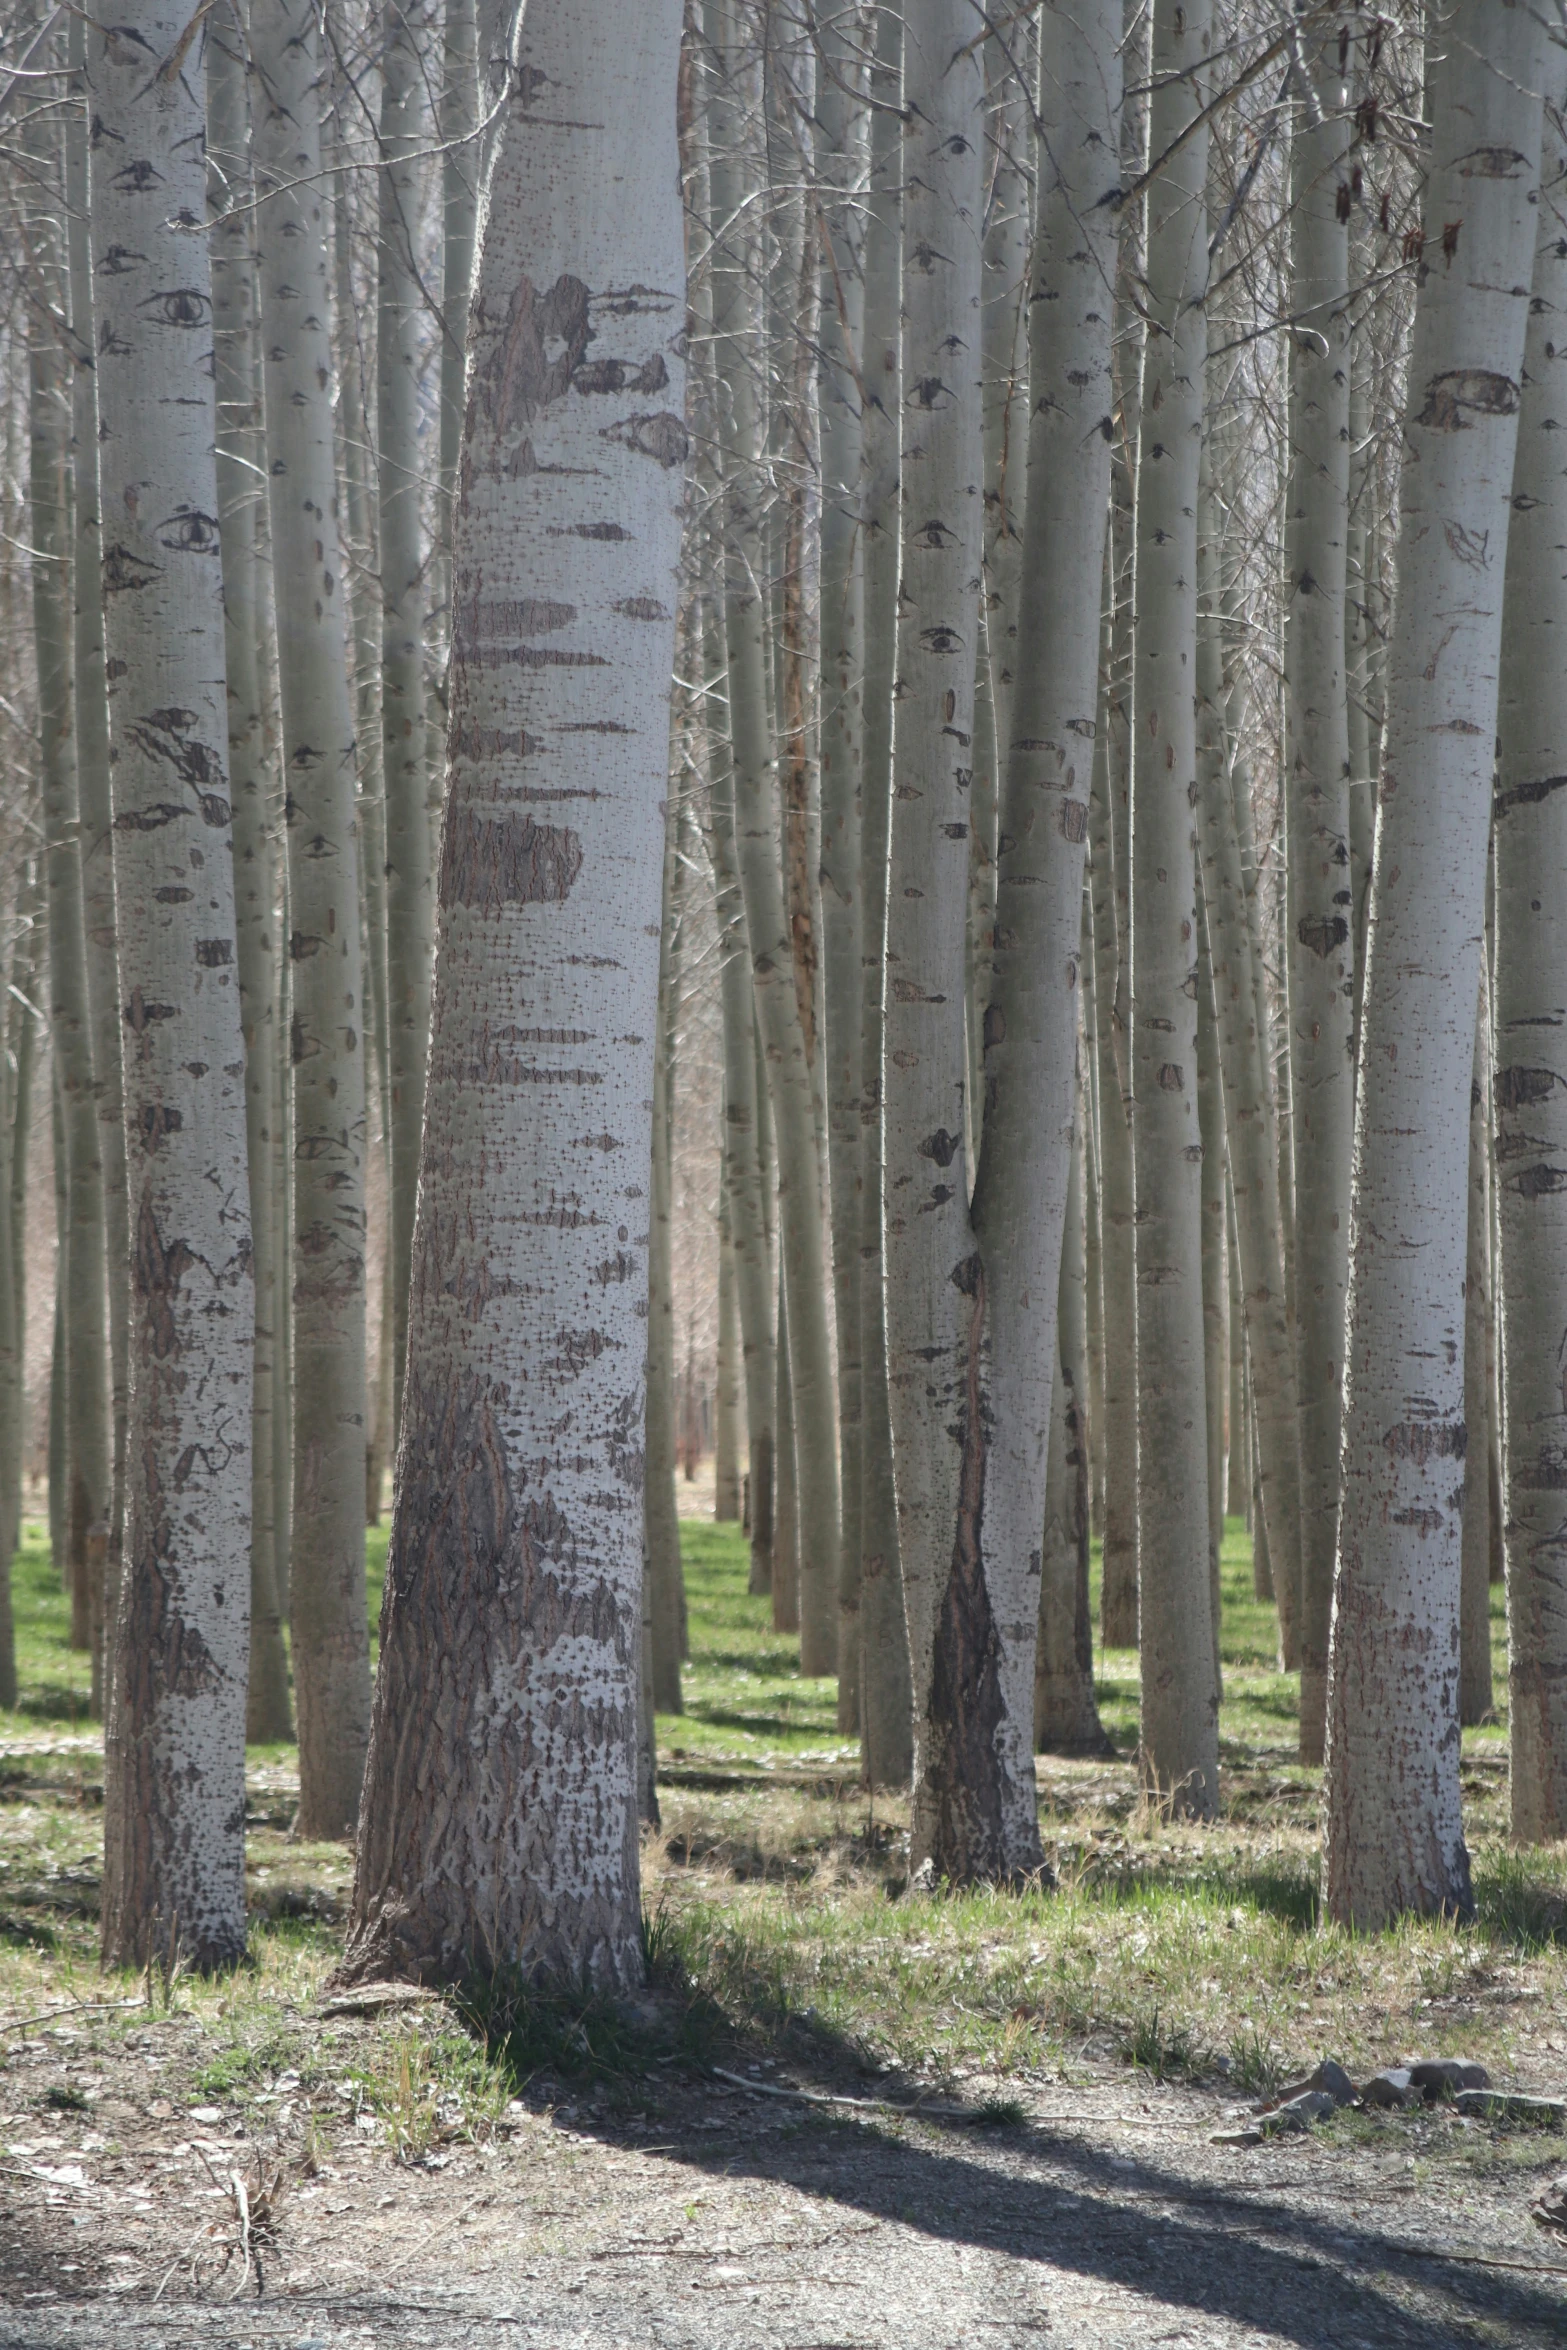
(727,2218)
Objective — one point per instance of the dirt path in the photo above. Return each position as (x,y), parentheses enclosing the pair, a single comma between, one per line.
(724,2218)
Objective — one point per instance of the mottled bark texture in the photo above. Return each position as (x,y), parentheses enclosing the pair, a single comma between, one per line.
(1531,1031)
(499,1828)
(972,1662)
(1316,796)
(174,1797)
(1394,1832)
(327,1023)
(1180,1702)
(1031,1015)
(240,452)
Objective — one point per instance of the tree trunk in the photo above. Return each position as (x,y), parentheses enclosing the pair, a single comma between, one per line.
(1531,1042)
(786,1496)
(409,903)
(1210,1120)
(174,1795)
(1237,1479)
(1179,1701)
(802,1253)
(726,1386)
(1394,1829)
(268,1716)
(95,806)
(661,1544)
(840,157)
(331,1635)
(1316,796)
(1118,1589)
(1066,1717)
(517,1521)
(886,1705)
(1474,1637)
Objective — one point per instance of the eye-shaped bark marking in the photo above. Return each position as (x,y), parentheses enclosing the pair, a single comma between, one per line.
(1515,1087)
(122,571)
(492,862)
(1321,933)
(1461,389)
(539,350)
(663,437)
(182,306)
(1426,1440)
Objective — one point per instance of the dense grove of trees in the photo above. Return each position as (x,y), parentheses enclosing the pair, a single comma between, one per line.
(945,612)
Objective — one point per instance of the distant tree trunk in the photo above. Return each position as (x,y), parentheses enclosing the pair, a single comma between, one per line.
(240,449)
(1394,1828)
(886,1706)
(518,1510)
(802,1249)
(1066,1717)
(331,1634)
(23,1029)
(1210,1118)
(1531,1042)
(87,1446)
(1237,1489)
(1118,1435)
(1316,797)
(1474,1638)
(174,1795)
(1180,1703)
(405,65)
(726,1386)
(786,1491)
(95,805)
(840,157)
(661,1546)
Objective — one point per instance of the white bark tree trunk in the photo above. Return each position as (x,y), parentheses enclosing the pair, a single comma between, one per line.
(1394,1830)
(1531,1032)
(500,1814)
(1474,1634)
(327,1582)
(1179,1699)
(1321,942)
(175,1752)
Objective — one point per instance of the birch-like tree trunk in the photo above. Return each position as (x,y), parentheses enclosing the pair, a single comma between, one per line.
(95,810)
(1066,1717)
(1394,1829)
(802,1243)
(1531,1030)
(501,1799)
(240,449)
(1474,1630)
(1316,795)
(409,900)
(886,1715)
(1180,1702)
(174,1794)
(970,1651)
(661,1522)
(327,1583)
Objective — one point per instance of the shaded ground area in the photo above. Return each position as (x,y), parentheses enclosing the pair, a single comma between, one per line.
(1029,2086)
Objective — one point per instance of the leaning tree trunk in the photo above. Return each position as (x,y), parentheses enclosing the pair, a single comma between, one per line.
(1531,1040)
(269,1715)
(501,1797)
(174,1798)
(1180,1762)
(886,1714)
(327,1581)
(1394,1828)
(1316,794)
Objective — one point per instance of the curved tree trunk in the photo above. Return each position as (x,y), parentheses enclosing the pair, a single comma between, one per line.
(1394,1828)
(1531,1038)
(1316,796)
(1179,1700)
(513,1592)
(174,1797)
(327,1583)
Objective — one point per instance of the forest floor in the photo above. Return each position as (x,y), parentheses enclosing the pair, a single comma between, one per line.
(845,2116)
